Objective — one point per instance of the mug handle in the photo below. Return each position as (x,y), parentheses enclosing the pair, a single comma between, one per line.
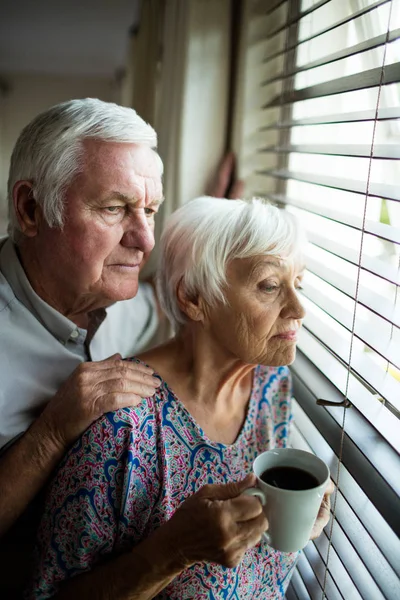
(256,492)
(261,496)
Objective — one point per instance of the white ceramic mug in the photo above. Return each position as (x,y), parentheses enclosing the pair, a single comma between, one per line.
(291,513)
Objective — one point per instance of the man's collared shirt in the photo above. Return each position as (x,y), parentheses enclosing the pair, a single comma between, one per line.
(40,348)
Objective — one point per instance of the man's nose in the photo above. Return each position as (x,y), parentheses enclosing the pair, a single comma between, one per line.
(139,234)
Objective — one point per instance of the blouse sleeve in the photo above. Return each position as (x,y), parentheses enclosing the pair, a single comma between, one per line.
(112,468)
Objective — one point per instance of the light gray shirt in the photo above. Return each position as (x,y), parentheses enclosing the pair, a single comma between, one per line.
(39,347)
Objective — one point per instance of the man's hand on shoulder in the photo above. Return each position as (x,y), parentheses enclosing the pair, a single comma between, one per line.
(93,389)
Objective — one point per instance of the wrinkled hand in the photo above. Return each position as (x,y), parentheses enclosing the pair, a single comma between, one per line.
(216,524)
(93,389)
(224,184)
(324,513)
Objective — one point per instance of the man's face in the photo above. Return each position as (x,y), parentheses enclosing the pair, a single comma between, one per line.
(109,224)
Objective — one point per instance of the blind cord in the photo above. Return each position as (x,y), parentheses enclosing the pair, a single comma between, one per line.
(342,437)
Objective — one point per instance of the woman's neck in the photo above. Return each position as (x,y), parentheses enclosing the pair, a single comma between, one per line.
(213,386)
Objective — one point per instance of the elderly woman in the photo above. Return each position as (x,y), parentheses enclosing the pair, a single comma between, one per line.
(152,494)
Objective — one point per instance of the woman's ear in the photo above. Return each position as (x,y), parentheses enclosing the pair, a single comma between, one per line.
(191,306)
(26,208)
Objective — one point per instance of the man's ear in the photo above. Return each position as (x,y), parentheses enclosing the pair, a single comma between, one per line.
(191,306)
(26,208)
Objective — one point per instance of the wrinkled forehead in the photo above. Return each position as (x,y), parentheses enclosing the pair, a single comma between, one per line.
(102,154)
(116,171)
(256,267)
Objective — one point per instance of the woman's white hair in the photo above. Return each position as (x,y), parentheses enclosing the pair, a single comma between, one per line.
(204,235)
(49,150)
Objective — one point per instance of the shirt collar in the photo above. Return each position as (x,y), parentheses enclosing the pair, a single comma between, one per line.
(59,326)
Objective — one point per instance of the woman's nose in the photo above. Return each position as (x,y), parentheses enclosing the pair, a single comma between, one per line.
(293,307)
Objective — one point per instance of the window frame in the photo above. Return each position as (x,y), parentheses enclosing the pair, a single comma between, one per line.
(371,460)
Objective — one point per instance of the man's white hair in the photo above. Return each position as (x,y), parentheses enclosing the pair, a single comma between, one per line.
(204,235)
(49,150)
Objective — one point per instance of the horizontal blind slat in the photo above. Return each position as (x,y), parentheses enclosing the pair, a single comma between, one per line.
(335,25)
(381,151)
(384,114)
(375,563)
(366,455)
(260,8)
(340,573)
(291,20)
(367,263)
(353,522)
(366,45)
(298,585)
(366,297)
(367,530)
(318,567)
(333,387)
(380,230)
(361,365)
(389,350)
(291,594)
(306,572)
(328,447)
(380,190)
(380,569)
(348,83)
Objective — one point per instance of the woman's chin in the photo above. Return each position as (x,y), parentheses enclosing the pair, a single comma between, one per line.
(279,359)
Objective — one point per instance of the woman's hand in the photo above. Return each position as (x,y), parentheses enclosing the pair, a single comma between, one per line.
(216,524)
(324,513)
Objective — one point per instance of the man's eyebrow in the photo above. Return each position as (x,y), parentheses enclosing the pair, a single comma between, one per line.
(124,198)
(157,201)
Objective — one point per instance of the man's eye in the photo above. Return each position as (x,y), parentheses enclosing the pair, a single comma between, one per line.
(149,211)
(113,209)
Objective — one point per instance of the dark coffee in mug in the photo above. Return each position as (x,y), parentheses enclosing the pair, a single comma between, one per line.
(289,478)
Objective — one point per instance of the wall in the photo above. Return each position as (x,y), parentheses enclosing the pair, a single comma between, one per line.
(29,94)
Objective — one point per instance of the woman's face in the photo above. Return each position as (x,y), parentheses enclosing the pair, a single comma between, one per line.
(260,321)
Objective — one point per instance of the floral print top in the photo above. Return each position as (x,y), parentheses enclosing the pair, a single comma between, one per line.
(131,470)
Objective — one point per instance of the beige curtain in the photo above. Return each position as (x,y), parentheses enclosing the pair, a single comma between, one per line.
(139,88)
(177,78)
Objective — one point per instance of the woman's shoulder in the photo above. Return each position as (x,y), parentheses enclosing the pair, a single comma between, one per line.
(118,431)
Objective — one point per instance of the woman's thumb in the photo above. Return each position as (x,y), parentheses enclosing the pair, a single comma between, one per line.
(227,491)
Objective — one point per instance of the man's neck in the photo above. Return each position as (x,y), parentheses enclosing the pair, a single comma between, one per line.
(46,288)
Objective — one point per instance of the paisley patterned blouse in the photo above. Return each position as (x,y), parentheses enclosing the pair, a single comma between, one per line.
(132,469)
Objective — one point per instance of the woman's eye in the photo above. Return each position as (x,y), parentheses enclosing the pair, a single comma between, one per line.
(269,289)
(299,288)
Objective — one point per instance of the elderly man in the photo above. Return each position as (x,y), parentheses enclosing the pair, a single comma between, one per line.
(84,188)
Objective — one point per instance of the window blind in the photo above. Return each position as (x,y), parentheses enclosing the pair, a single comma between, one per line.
(317,114)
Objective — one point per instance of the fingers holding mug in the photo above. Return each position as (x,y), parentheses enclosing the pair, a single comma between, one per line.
(261,496)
